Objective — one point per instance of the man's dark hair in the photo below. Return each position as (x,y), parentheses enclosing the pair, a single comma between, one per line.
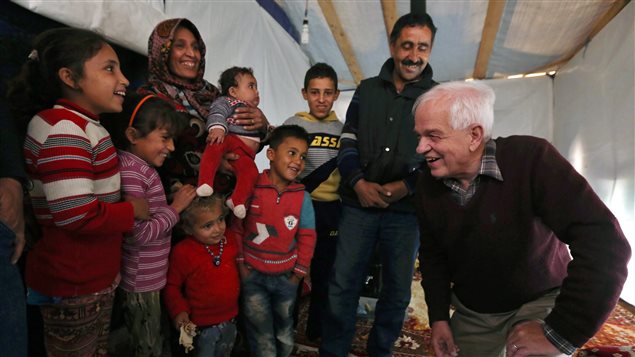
(320,70)
(412,20)
(287,131)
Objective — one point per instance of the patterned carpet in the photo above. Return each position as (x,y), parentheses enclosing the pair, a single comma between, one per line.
(618,331)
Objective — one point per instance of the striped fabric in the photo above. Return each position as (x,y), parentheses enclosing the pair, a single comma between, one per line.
(489,167)
(74,168)
(323,175)
(73,165)
(220,114)
(146,249)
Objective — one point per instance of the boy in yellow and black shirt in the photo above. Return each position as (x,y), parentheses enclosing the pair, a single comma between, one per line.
(321,178)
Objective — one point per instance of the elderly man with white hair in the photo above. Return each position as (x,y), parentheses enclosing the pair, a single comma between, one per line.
(496,217)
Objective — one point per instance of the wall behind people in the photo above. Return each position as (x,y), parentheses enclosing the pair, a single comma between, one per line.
(594,125)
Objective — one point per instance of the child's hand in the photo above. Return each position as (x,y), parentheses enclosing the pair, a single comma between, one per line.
(295,279)
(183,197)
(139,206)
(216,135)
(243,271)
(182,319)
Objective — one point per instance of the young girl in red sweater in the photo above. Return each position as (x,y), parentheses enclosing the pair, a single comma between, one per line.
(203,281)
(71,76)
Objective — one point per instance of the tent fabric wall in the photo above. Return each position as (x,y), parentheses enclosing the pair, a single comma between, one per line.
(523,107)
(112,19)
(594,124)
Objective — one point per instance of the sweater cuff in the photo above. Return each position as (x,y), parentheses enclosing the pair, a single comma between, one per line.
(356,177)
(299,272)
(560,342)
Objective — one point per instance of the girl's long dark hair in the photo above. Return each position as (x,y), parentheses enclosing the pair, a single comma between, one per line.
(37,86)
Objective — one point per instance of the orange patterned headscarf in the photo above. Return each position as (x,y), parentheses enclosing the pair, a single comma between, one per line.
(197,95)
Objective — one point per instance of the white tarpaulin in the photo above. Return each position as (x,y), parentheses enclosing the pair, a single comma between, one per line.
(594,124)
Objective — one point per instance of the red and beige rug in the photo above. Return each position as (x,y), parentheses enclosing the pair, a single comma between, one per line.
(615,339)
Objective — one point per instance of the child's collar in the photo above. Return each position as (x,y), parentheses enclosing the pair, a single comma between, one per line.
(308,116)
(73,106)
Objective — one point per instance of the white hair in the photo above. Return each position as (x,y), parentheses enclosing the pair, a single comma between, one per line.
(467,103)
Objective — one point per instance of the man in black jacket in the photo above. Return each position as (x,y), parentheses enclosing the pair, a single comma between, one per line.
(376,161)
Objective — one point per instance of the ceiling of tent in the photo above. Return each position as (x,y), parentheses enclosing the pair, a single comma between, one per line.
(475,39)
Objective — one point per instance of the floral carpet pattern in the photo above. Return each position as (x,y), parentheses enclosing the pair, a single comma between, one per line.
(616,338)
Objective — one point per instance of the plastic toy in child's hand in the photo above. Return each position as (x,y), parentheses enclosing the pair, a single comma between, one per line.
(186,339)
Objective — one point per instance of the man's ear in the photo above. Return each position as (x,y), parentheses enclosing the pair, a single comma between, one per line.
(476,137)
(67,77)
(337,94)
(232,91)
(304,94)
(131,135)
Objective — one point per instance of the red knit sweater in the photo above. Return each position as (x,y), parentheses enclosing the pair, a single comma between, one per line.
(208,293)
(278,234)
(75,174)
(508,244)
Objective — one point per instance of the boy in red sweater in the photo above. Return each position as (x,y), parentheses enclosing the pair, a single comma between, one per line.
(278,237)
(203,282)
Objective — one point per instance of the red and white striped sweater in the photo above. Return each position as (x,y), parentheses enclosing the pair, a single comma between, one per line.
(74,168)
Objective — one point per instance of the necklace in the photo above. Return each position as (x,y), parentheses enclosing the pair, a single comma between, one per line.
(216,258)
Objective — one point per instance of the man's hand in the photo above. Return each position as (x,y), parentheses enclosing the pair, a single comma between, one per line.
(12,212)
(396,190)
(528,339)
(251,118)
(370,194)
(216,135)
(442,340)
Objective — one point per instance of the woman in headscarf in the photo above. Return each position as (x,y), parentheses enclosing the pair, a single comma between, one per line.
(176,59)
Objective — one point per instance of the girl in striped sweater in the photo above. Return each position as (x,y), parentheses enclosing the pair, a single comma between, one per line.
(143,132)
(70,78)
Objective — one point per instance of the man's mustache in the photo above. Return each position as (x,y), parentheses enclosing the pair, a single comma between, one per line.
(408,62)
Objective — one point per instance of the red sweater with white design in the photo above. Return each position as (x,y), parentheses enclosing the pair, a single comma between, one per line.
(278,234)
(208,293)
(74,168)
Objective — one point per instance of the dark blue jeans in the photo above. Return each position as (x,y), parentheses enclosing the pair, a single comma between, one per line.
(216,341)
(13,333)
(267,307)
(396,235)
